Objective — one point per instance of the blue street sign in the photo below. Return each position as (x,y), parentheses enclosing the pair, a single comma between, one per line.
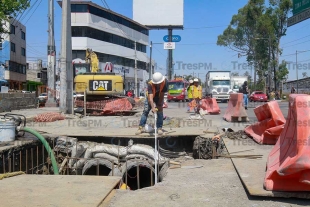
(175,38)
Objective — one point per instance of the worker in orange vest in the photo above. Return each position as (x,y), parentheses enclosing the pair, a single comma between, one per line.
(157,88)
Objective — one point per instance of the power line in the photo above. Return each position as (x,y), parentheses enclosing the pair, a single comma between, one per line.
(296,44)
(293,53)
(24,24)
(296,40)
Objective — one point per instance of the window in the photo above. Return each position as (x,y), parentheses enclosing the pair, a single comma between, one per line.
(76,8)
(12,29)
(23,52)
(13,47)
(23,35)
(106,37)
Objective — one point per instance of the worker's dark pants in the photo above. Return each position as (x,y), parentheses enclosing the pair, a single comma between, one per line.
(146,111)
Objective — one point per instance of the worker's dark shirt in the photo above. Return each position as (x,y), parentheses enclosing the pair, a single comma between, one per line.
(157,88)
(244,89)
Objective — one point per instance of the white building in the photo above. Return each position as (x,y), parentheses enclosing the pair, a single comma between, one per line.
(112,37)
(13,54)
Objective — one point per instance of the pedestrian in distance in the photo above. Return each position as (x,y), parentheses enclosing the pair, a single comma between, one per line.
(157,88)
(190,90)
(245,91)
(293,90)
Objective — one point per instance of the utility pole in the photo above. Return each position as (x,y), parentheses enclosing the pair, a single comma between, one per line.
(170,56)
(66,73)
(51,57)
(151,67)
(136,78)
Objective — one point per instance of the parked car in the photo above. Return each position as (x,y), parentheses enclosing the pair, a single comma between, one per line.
(258,96)
(42,96)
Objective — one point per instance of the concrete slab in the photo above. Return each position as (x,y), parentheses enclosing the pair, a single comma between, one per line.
(252,171)
(52,190)
(215,184)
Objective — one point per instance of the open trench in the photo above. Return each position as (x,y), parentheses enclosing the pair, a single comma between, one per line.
(129,158)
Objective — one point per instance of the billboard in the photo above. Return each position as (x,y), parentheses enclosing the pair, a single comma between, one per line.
(159,13)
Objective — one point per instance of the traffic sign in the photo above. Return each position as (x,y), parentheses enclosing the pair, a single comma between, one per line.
(300,5)
(175,38)
(169,45)
(298,18)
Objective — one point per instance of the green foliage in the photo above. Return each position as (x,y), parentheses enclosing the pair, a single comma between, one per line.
(10,9)
(282,72)
(255,32)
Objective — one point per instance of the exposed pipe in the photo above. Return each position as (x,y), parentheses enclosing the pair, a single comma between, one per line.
(46,145)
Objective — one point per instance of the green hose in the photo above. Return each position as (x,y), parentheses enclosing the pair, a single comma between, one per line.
(46,145)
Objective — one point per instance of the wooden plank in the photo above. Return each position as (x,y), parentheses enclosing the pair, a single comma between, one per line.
(252,171)
(56,190)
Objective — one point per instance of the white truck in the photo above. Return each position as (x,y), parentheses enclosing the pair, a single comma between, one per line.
(237,82)
(218,85)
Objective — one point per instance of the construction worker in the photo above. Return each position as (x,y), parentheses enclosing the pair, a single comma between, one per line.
(157,88)
(197,93)
(190,93)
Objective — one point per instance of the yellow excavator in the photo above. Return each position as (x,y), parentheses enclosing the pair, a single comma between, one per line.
(97,85)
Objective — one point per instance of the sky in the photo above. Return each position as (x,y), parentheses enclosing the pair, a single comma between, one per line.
(204,21)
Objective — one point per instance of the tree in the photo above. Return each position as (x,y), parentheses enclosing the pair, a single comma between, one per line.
(234,74)
(10,9)
(255,32)
(282,72)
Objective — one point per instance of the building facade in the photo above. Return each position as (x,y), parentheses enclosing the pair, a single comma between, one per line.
(114,38)
(13,54)
(36,76)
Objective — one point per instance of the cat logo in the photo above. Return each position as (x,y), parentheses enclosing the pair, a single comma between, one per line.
(100,85)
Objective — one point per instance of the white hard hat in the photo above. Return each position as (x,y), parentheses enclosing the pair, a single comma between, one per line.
(191,81)
(157,78)
(196,80)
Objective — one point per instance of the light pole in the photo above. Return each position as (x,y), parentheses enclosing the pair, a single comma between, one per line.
(297,67)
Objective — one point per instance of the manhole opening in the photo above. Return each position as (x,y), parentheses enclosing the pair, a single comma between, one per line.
(90,156)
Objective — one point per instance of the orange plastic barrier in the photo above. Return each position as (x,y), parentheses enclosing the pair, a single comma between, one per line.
(270,123)
(210,105)
(288,164)
(235,110)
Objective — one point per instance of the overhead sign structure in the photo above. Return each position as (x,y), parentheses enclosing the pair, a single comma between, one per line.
(156,14)
(298,18)
(169,45)
(175,38)
(300,6)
